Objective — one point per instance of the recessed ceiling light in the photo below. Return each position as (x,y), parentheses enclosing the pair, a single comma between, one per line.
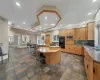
(18,4)
(45,17)
(53,24)
(60,24)
(83,22)
(18,26)
(8,26)
(40,26)
(89,13)
(24,23)
(9,22)
(56,18)
(45,24)
(94,0)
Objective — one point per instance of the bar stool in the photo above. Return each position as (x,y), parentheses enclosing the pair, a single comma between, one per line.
(1,55)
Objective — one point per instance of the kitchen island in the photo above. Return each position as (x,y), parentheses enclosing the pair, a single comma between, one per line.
(53,55)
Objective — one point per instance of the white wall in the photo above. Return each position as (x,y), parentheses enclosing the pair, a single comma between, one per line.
(56,32)
(33,38)
(4,36)
(97,18)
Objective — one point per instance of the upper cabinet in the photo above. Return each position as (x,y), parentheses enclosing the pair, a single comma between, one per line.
(62,32)
(80,33)
(70,34)
(90,31)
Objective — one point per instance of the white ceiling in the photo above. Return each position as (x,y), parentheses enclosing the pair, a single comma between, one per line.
(72,11)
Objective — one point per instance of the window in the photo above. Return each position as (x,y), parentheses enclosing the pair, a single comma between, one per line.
(55,38)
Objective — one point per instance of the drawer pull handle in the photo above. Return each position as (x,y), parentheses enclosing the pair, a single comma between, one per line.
(87,66)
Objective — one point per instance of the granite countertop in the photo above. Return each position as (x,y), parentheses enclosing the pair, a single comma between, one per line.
(95,55)
(47,50)
(55,46)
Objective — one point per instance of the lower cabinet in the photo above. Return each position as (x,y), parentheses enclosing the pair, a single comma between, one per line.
(88,68)
(96,71)
(92,68)
(74,49)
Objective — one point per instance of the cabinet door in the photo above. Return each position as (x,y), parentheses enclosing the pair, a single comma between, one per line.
(90,27)
(96,71)
(85,65)
(77,34)
(78,50)
(63,32)
(82,33)
(89,70)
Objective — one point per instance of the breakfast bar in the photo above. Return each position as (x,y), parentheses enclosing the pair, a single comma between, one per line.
(53,55)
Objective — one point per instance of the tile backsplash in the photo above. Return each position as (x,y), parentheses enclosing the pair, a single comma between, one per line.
(84,42)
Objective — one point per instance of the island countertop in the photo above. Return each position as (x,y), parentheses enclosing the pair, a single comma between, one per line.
(48,50)
(95,55)
(53,55)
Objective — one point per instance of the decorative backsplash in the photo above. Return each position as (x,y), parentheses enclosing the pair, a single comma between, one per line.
(84,42)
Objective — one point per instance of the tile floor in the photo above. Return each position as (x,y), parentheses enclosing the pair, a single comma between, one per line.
(22,66)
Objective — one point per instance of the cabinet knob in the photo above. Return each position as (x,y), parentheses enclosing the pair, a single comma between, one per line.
(87,66)
(94,70)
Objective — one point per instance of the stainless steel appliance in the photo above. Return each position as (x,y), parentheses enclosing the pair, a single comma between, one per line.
(62,41)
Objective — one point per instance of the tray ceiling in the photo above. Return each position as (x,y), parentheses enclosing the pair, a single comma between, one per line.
(72,11)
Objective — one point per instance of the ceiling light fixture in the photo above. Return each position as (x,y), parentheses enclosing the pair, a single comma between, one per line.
(8,26)
(18,4)
(53,24)
(45,17)
(56,18)
(89,13)
(24,23)
(94,0)
(45,24)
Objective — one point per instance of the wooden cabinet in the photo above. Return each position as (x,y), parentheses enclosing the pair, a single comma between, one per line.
(88,68)
(90,31)
(69,42)
(78,50)
(80,33)
(63,32)
(74,49)
(88,63)
(96,71)
(70,32)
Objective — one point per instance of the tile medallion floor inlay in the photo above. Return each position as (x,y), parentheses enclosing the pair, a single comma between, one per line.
(22,66)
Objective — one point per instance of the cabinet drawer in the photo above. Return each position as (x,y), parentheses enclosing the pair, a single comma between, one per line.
(86,55)
(70,42)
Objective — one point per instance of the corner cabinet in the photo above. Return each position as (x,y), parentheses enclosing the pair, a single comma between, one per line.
(92,68)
